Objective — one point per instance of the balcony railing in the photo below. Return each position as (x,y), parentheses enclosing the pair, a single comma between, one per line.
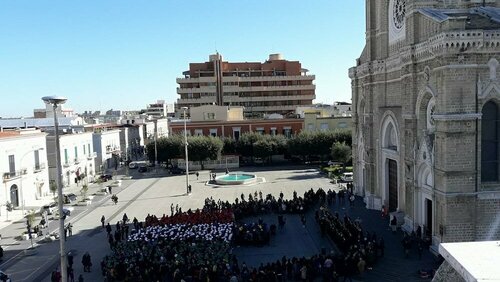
(66,164)
(13,174)
(38,168)
(91,156)
(77,160)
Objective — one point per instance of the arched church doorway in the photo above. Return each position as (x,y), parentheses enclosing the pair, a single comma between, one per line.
(393,184)
(428,217)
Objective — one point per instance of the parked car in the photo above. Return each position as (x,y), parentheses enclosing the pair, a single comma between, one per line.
(49,209)
(332,163)
(106,177)
(177,170)
(133,165)
(69,198)
(66,211)
(347,177)
(143,168)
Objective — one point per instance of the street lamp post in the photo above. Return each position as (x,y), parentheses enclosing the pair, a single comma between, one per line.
(21,179)
(186,151)
(156,146)
(55,101)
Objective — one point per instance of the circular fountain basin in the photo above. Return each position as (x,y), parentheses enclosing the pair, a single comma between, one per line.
(236,178)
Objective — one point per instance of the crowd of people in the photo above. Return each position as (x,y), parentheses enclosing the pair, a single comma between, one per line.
(197,245)
(256,233)
(192,217)
(185,232)
(359,249)
(257,203)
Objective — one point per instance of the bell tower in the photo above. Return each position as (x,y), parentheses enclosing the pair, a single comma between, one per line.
(376,30)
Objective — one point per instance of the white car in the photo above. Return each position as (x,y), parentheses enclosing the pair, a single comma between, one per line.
(133,165)
(347,177)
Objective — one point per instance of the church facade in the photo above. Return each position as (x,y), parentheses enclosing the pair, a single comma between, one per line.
(426,110)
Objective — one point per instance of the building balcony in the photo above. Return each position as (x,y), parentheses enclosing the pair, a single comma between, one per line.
(7,176)
(67,164)
(246,78)
(237,88)
(180,80)
(269,88)
(271,108)
(38,168)
(235,99)
(203,89)
(77,161)
(111,150)
(268,78)
(91,156)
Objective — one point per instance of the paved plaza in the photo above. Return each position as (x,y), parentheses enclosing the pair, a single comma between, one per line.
(153,193)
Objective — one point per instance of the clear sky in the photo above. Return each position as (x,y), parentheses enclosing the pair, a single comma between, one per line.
(125,54)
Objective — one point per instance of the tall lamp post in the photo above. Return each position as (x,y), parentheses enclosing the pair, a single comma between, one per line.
(21,179)
(184,109)
(55,101)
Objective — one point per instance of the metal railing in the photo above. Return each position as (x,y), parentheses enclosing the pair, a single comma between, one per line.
(39,167)
(14,174)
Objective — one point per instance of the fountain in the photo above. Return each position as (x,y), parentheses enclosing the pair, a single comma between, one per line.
(236,178)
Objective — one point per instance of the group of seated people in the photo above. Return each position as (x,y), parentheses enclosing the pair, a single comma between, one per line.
(192,217)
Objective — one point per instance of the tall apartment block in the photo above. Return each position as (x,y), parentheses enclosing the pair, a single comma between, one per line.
(275,86)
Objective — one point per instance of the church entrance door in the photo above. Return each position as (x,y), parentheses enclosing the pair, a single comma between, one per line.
(428,217)
(393,185)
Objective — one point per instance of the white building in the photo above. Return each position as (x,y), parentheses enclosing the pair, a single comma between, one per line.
(107,148)
(77,158)
(68,124)
(23,164)
(160,109)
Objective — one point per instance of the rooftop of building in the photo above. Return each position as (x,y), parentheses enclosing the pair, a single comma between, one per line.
(475,18)
(40,122)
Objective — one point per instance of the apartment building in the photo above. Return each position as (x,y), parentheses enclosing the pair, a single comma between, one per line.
(23,164)
(275,86)
(107,149)
(159,109)
(77,158)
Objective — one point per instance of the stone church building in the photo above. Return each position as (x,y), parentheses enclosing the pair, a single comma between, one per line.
(426,110)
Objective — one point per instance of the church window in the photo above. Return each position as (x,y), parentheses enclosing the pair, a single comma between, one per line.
(489,142)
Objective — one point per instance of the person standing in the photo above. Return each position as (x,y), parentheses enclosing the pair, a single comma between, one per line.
(103,219)
(197,175)
(70,259)
(86,262)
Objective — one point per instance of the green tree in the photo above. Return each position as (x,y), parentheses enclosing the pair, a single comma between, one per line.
(202,148)
(244,146)
(53,189)
(341,152)
(263,148)
(229,147)
(168,148)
